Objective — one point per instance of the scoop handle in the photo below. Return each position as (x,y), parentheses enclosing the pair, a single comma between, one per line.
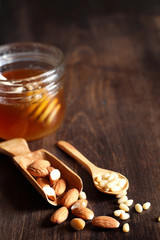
(73,152)
(14,147)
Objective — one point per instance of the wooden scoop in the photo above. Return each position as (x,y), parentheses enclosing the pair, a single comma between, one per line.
(22,157)
(115,182)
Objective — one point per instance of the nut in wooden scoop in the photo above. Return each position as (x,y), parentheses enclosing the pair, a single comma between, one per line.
(36,167)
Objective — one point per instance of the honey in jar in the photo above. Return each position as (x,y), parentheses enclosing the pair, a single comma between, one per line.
(32,102)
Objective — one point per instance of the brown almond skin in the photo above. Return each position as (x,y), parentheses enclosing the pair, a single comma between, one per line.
(105,222)
(50,169)
(60,187)
(42,181)
(39,168)
(69,198)
(59,215)
(83,212)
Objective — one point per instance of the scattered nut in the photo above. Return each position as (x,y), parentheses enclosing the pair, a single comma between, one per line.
(158,219)
(118,212)
(77,223)
(49,179)
(146,205)
(129,202)
(126,227)
(124,216)
(70,197)
(105,222)
(138,208)
(59,215)
(82,195)
(121,195)
(123,199)
(80,203)
(124,207)
(83,212)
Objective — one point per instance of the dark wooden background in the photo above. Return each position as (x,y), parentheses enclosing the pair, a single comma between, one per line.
(112,53)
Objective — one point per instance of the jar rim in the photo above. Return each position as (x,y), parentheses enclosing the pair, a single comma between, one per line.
(35,48)
(40,55)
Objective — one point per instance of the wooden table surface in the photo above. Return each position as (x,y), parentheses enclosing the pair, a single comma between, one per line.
(112,53)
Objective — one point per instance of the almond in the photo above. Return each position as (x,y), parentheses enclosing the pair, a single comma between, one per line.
(70,197)
(82,195)
(77,223)
(54,175)
(83,212)
(43,181)
(59,215)
(60,187)
(39,168)
(49,191)
(80,203)
(105,222)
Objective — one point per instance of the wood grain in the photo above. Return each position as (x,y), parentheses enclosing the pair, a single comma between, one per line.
(112,54)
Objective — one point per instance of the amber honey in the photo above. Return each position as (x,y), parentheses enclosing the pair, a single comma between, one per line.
(33,113)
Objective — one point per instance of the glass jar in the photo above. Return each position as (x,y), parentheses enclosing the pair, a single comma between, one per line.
(32,103)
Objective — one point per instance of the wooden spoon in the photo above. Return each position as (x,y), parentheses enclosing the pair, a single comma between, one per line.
(96,171)
(22,157)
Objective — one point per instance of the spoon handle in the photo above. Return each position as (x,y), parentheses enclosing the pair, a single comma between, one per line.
(73,152)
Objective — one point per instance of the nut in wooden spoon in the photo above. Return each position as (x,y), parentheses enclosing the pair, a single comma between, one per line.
(106,181)
(26,160)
